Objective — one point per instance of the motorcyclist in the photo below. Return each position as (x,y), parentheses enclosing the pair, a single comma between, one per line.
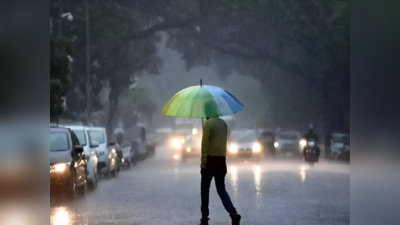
(311,135)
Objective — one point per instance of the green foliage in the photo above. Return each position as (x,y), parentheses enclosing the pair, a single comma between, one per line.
(115,57)
(60,69)
(140,100)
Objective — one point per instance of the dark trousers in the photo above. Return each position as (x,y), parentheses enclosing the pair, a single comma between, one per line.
(215,167)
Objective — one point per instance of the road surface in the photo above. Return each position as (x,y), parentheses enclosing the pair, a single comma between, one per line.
(158,191)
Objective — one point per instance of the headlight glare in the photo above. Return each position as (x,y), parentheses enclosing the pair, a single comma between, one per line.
(256,147)
(176,143)
(58,167)
(233,148)
(303,142)
(276,144)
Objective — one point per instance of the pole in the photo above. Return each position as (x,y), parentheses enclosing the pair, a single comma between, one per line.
(88,80)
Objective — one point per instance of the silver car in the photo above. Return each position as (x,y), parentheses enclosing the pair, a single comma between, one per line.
(90,152)
(107,155)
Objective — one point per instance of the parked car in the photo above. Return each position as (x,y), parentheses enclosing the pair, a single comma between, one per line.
(107,155)
(67,163)
(244,143)
(289,142)
(90,152)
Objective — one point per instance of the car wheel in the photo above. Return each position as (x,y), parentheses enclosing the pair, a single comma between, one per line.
(71,189)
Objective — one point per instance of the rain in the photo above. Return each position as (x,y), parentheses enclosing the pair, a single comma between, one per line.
(141,93)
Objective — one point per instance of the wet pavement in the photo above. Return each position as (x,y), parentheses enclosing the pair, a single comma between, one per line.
(159,192)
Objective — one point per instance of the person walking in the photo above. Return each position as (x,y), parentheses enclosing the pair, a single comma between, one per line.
(213,165)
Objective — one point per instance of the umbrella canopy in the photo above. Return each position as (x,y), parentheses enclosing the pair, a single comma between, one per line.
(202,101)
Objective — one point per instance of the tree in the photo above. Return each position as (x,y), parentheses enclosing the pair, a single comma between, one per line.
(291,46)
(116,58)
(60,69)
(138,101)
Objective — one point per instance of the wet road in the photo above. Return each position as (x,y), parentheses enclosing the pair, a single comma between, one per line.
(159,192)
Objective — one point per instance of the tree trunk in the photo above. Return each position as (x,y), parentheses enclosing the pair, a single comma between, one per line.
(113,99)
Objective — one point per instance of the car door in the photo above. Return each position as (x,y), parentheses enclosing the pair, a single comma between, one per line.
(80,160)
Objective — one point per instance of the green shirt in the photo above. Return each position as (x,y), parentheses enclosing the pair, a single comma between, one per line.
(214,141)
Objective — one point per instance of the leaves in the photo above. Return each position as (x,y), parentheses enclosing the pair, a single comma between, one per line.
(60,69)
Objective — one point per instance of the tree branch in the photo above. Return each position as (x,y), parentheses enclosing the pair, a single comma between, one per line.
(165,26)
(226,48)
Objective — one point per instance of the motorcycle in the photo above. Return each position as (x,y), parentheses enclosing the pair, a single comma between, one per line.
(311,152)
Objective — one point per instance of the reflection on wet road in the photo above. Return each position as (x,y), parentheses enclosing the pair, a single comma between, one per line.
(157,191)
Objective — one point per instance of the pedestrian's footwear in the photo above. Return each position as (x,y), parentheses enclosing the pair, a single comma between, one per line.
(236,219)
(204,222)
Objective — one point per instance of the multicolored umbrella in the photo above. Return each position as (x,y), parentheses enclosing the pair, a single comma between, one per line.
(201,102)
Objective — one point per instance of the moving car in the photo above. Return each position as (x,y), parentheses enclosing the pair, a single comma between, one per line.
(107,155)
(244,143)
(90,153)
(289,142)
(67,163)
(267,142)
(192,146)
(340,144)
(178,137)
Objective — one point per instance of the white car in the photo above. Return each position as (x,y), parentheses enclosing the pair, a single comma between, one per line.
(107,155)
(90,153)
(244,143)
(338,144)
(289,142)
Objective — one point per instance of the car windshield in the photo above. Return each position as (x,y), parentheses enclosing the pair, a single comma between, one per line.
(337,138)
(59,141)
(288,136)
(97,135)
(244,136)
(81,137)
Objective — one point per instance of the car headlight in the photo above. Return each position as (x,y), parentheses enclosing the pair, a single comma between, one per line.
(58,167)
(276,144)
(176,143)
(256,147)
(233,148)
(188,149)
(303,142)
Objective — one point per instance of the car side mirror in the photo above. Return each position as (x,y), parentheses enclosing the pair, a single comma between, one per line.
(78,149)
(94,144)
